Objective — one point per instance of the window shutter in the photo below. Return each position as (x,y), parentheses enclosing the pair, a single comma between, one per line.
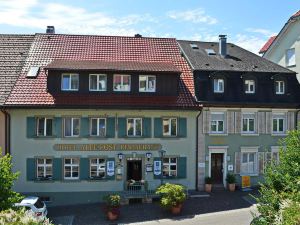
(31,127)
(290,120)
(237,166)
(261,123)
(146,127)
(84,127)
(122,127)
(57,169)
(230,122)
(268,122)
(84,168)
(157,176)
(182,127)
(57,126)
(110,177)
(31,168)
(158,127)
(238,122)
(181,170)
(110,127)
(206,122)
(261,162)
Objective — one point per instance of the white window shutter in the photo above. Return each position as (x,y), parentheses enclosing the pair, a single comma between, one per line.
(261,123)
(230,122)
(290,121)
(268,122)
(237,163)
(238,122)
(261,162)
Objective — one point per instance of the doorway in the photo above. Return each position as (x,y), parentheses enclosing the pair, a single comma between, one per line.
(217,168)
(134,170)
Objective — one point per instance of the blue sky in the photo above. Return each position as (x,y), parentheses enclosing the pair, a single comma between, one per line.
(247,23)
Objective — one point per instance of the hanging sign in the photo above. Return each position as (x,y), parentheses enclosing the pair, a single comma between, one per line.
(246,182)
(110,168)
(157,168)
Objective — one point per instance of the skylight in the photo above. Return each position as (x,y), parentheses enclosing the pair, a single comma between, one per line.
(33,72)
(194,46)
(210,51)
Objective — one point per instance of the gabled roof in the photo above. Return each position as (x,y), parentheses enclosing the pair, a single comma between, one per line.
(47,48)
(13,52)
(267,45)
(237,59)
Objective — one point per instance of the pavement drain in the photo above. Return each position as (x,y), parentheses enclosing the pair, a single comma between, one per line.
(63,220)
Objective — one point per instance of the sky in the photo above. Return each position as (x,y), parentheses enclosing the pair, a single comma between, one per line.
(247,23)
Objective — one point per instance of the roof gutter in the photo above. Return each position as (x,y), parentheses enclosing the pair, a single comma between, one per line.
(6,131)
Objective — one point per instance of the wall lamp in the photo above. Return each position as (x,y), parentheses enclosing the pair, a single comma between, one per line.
(148,155)
(120,157)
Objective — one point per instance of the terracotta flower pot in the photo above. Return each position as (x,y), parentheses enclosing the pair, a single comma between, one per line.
(176,209)
(231,187)
(208,187)
(112,216)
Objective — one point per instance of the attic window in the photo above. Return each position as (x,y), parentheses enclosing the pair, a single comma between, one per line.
(33,72)
(194,46)
(210,51)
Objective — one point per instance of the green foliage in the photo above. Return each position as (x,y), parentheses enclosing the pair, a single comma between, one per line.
(280,193)
(7,196)
(113,201)
(230,178)
(208,180)
(21,217)
(171,194)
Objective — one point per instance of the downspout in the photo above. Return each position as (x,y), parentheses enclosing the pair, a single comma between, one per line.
(197,132)
(7,131)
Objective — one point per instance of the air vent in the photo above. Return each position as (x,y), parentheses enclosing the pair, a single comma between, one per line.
(33,72)
(210,51)
(194,46)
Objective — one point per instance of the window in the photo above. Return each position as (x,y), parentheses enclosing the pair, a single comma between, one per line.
(134,127)
(98,82)
(44,168)
(248,123)
(169,167)
(217,123)
(249,86)
(122,82)
(98,127)
(218,85)
(147,83)
(169,127)
(44,126)
(290,57)
(279,87)
(278,123)
(70,82)
(249,163)
(97,168)
(71,168)
(71,127)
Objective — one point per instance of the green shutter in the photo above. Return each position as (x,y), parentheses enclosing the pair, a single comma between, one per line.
(31,127)
(122,127)
(181,169)
(110,127)
(31,169)
(84,127)
(182,127)
(110,177)
(158,127)
(147,127)
(156,176)
(84,168)
(57,169)
(57,126)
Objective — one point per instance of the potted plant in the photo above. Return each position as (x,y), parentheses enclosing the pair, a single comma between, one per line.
(172,196)
(231,181)
(113,203)
(208,184)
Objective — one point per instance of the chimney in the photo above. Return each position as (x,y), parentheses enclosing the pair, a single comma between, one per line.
(222,45)
(138,35)
(50,30)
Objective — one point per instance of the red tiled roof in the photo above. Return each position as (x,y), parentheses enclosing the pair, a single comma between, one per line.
(128,66)
(46,48)
(267,45)
(296,14)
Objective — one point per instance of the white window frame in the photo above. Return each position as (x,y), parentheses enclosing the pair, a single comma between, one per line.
(147,83)
(70,83)
(248,123)
(98,130)
(247,85)
(248,151)
(217,123)
(72,165)
(122,82)
(169,164)
(44,166)
(135,119)
(279,116)
(292,60)
(45,127)
(72,126)
(169,134)
(217,87)
(97,165)
(281,87)
(98,82)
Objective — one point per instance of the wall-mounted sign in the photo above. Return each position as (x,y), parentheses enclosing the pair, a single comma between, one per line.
(107,147)
(149,168)
(157,168)
(201,165)
(230,167)
(246,182)
(110,168)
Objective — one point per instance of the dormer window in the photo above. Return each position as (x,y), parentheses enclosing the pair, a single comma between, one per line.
(122,82)
(70,82)
(279,87)
(98,82)
(147,83)
(249,86)
(218,85)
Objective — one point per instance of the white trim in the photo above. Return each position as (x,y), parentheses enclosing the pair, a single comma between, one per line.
(98,76)
(147,84)
(70,83)
(249,148)
(218,149)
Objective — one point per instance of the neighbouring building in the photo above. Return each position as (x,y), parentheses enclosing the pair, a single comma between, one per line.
(284,48)
(249,104)
(90,114)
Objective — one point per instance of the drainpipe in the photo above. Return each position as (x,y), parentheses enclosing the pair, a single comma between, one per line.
(197,132)
(7,131)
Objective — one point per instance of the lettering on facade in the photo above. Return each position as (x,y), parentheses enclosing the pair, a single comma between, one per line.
(107,147)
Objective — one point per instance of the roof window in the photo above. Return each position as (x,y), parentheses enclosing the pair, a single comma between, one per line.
(194,46)
(210,51)
(33,72)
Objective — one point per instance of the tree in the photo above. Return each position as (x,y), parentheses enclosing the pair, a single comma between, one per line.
(7,196)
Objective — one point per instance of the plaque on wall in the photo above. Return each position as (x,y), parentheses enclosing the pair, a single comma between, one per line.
(149,168)
(157,168)
(110,168)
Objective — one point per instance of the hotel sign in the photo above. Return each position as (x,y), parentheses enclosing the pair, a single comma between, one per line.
(107,147)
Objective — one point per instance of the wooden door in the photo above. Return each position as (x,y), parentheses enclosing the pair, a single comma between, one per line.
(217,168)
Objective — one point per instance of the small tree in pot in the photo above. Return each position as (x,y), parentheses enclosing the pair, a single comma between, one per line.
(208,184)
(113,203)
(231,181)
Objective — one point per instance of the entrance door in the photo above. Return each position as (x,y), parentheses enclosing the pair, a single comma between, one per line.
(217,168)
(134,170)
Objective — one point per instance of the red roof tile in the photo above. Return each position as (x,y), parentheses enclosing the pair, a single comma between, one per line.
(267,44)
(46,48)
(296,14)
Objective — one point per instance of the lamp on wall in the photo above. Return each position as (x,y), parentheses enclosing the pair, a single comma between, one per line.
(120,156)
(148,155)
